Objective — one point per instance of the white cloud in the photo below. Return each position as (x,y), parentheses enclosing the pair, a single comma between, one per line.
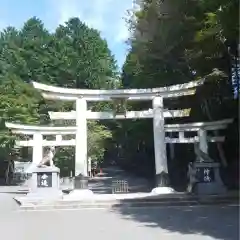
(108,16)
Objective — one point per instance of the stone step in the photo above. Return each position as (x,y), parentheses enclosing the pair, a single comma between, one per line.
(157,201)
(125,205)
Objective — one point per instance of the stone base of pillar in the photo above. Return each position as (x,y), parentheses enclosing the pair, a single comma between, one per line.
(162,180)
(162,184)
(162,190)
(78,194)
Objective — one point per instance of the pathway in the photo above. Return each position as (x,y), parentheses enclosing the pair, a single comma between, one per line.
(103,183)
(173,223)
(168,223)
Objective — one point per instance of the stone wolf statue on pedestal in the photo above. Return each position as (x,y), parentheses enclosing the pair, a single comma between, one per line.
(48,157)
(46,161)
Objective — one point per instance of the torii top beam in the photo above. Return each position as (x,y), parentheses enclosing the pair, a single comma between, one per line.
(67,94)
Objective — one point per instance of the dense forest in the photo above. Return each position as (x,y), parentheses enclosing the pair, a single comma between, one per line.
(176,42)
(73,56)
(171,42)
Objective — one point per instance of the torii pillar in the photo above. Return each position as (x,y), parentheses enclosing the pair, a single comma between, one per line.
(81,138)
(161,167)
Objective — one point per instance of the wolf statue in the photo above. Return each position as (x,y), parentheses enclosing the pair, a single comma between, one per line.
(48,157)
(46,161)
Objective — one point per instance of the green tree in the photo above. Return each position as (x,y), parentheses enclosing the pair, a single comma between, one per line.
(177,42)
(18,103)
(73,56)
(86,59)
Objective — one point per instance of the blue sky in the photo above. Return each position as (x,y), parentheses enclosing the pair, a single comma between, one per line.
(108,16)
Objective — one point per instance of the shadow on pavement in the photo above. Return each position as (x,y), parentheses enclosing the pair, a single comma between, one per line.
(214,221)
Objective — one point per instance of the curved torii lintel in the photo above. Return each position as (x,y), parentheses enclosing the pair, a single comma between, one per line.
(67,94)
(45,130)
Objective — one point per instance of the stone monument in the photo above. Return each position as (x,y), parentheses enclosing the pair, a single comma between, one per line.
(45,183)
(207,178)
(45,180)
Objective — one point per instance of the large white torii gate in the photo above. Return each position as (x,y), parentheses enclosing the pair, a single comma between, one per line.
(81,114)
(156,95)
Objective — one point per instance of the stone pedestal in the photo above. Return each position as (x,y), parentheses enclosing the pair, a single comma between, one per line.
(45,183)
(207,178)
(67,183)
(162,190)
(81,190)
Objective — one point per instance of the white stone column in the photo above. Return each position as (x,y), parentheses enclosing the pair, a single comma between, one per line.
(89,166)
(203,143)
(37,153)
(81,138)
(58,138)
(159,143)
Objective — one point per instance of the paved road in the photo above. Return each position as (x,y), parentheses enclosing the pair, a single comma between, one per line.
(180,223)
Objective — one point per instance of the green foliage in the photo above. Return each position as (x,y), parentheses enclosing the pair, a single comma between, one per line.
(173,42)
(176,42)
(73,56)
(96,140)
(18,103)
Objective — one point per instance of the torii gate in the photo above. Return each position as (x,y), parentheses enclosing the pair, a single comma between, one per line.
(37,142)
(158,113)
(81,96)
